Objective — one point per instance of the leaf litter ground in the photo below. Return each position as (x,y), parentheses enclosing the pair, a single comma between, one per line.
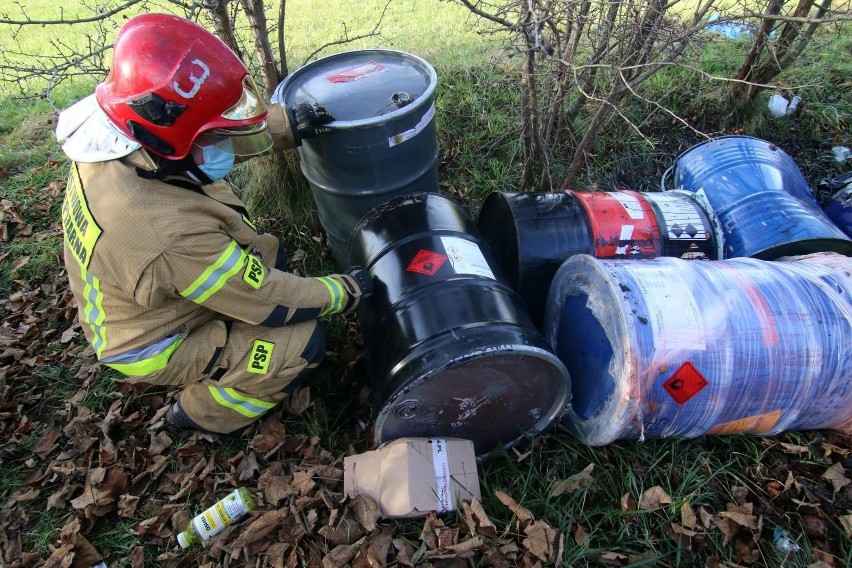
(91,469)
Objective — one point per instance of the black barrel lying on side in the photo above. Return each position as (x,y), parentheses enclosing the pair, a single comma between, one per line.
(449,347)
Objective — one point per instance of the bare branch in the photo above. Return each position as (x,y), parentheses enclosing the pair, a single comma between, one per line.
(99,17)
(491,17)
(346,39)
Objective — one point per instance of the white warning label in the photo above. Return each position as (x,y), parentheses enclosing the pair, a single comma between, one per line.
(466,258)
(631,204)
(683,222)
(675,319)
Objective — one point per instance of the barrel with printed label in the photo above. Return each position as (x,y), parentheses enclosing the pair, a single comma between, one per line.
(383,142)
(531,234)
(666,347)
(449,347)
(760,196)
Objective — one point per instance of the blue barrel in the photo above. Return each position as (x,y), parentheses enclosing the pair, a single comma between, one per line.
(839,209)
(667,347)
(383,142)
(760,197)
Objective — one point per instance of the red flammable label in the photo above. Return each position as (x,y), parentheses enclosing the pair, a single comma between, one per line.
(685,383)
(426,262)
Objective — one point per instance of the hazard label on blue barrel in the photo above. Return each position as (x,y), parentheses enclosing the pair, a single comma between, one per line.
(685,383)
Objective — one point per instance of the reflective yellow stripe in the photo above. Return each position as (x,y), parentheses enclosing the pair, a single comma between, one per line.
(335,291)
(217,274)
(93,311)
(245,405)
(248,222)
(149,365)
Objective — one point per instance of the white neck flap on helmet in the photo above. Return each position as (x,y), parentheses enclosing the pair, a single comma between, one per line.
(87,135)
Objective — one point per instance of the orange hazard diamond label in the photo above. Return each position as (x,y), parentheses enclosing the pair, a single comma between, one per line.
(426,262)
(685,383)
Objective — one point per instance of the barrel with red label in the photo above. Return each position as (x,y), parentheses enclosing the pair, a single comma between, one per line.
(531,234)
(666,347)
(449,347)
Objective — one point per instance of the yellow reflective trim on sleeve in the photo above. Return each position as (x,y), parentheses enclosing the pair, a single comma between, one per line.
(149,365)
(254,273)
(335,291)
(248,222)
(93,311)
(240,403)
(216,275)
(260,356)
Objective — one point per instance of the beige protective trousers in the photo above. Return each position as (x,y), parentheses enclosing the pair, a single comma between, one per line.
(232,372)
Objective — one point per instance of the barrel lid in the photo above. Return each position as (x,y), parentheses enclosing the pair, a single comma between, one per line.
(362,87)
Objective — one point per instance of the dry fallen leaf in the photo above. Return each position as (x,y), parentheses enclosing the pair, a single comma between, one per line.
(687,516)
(742,519)
(543,542)
(654,497)
(794,449)
(678,529)
(523,514)
(832,449)
(299,401)
(339,556)
(573,483)
(581,537)
(366,511)
(477,520)
(846,523)
(834,474)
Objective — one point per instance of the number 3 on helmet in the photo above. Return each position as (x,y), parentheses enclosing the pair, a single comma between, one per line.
(172,81)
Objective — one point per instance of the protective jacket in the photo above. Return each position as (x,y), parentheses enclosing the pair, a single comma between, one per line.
(149,262)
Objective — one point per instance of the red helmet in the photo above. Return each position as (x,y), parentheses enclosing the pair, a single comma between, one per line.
(172,80)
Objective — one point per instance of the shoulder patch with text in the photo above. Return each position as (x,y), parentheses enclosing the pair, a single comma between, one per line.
(254,273)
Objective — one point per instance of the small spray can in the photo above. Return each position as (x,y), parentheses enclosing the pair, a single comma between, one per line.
(214,520)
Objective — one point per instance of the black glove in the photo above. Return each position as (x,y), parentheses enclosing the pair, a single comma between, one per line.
(358,285)
(310,119)
(362,279)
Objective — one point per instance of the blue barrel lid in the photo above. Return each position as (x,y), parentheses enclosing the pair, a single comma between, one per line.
(364,87)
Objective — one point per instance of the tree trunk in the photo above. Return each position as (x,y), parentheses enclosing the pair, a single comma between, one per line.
(738,94)
(224,26)
(257,18)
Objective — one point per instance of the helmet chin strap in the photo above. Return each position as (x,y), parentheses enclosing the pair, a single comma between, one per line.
(170,168)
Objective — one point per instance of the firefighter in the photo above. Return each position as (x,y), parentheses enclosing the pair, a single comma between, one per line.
(174,284)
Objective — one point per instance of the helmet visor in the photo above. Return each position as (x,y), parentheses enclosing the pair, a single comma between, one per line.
(241,141)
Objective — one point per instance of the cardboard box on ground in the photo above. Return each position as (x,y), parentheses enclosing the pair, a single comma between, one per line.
(412,477)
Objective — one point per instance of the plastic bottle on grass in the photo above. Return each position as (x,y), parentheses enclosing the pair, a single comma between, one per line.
(223,514)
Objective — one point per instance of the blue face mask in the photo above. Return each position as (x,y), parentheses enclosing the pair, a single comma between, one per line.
(217,163)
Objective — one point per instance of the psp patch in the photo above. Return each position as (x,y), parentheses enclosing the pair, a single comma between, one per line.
(254,273)
(260,356)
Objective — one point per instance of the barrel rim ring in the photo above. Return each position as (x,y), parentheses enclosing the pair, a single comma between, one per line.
(421,101)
